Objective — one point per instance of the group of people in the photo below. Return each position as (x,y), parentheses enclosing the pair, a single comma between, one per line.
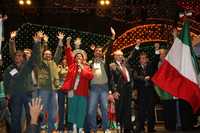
(68,88)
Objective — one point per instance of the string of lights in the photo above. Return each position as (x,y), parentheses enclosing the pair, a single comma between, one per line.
(25,32)
(146,33)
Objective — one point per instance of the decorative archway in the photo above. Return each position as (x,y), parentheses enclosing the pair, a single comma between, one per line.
(146,33)
(150,33)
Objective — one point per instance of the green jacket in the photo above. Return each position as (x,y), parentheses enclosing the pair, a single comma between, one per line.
(48,77)
(21,79)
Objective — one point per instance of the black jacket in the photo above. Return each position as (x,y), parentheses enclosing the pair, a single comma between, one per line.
(117,81)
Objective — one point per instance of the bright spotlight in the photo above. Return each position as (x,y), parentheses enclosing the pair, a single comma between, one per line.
(102,2)
(28,2)
(21,2)
(107,2)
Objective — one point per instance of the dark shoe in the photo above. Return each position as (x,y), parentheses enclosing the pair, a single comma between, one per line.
(129,131)
(151,130)
(139,131)
(171,129)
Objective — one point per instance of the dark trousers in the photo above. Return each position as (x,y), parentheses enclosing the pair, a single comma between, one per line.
(123,107)
(186,115)
(169,114)
(17,101)
(62,97)
(146,107)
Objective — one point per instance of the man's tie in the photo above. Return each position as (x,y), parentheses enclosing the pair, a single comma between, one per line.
(123,69)
(144,67)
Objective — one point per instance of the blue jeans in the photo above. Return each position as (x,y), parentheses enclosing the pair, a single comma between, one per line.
(49,101)
(61,110)
(35,93)
(98,94)
(17,101)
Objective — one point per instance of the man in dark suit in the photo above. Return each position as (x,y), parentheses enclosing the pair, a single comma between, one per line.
(143,71)
(121,84)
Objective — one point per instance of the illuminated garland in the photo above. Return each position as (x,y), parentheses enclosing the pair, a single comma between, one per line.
(192,5)
(146,33)
(26,31)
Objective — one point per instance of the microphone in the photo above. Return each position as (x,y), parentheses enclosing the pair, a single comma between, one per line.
(79,62)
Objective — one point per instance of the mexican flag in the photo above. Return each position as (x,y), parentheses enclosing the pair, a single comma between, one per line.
(179,73)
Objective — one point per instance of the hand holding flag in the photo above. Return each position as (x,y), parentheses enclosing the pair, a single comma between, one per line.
(178,74)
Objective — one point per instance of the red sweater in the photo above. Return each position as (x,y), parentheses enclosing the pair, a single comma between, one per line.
(85,76)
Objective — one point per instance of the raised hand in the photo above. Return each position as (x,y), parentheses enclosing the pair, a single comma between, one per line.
(92,47)
(13,34)
(157,46)
(113,32)
(77,43)
(45,37)
(138,42)
(35,107)
(35,38)
(40,34)
(68,41)
(60,35)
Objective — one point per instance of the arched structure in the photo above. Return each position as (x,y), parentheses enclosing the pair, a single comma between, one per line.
(146,33)
(153,31)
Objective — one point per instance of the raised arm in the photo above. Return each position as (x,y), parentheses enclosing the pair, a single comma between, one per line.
(35,107)
(132,58)
(12,44)
(38,47)
(156,57)
(112,37)
(34,60)
(36,51)
(59,49)
(44,45)
(108,49)
(68,53)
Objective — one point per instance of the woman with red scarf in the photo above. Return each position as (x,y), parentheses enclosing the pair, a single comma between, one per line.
(77,85)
